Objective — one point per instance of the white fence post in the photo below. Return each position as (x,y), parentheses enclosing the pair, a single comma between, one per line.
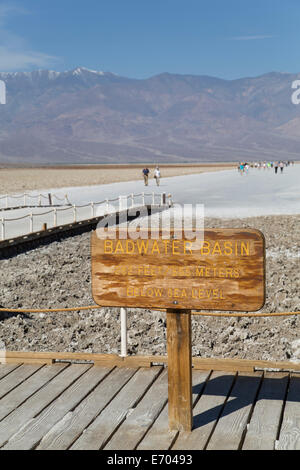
(40,200)
(153,198)
(6,200)
(55,218)
(2,229)
(24,199)
(92,209)
(74,213)
(143,199)
(30,222)
(132,200)
(123,315)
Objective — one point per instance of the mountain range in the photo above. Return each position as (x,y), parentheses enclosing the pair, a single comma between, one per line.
(87,116)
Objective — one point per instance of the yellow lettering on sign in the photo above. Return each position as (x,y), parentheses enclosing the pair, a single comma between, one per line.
(199,272)
(175,247)
(142,246)
(176,293)
(155,248)
(129,291)
(108,246)
(166,243)
(217,249)
(119,247)
(144,292)
(129,244)
(198,293)
(245,249)
(187,247)
(205,250)
(228,248)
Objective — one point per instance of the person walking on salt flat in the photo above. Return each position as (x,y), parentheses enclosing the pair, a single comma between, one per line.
(157,175)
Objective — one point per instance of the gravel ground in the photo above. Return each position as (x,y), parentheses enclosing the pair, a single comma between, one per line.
(59,275)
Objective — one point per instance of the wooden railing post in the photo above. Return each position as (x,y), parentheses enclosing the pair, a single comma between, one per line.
(179,369)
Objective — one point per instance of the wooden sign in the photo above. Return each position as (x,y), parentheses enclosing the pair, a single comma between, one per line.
(225,271)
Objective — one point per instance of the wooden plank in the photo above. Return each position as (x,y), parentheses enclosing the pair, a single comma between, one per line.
(206,412)
(35,382)
(23,360)
(71,426)
(138,422)
(159,436)
(55,355)
(7,369)
(99,432)
(16,377)
(31,434)
(179,370)
(236,412)
(220,364)
(264,425)
(289,438)
(98,359)
(201,363)
(37,402)
(232,424)
(128,361)
(225,272)
(242,365)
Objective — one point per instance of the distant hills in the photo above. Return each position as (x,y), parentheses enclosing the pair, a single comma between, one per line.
(86,116)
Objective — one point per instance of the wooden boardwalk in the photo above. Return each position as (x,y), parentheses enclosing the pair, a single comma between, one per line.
(86,406)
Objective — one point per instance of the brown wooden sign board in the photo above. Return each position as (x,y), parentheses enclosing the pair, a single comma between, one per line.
(226,271)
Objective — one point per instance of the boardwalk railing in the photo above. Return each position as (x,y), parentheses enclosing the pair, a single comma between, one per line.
(15,201)
(57,216)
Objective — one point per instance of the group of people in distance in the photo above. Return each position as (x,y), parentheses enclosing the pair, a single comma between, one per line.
(243,167)
(146,173)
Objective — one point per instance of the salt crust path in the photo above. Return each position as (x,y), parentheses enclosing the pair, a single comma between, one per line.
(224,194)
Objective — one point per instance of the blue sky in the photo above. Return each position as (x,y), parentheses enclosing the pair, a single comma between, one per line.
(141,38)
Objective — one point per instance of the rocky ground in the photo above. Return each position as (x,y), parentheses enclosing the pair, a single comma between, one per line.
(60,275)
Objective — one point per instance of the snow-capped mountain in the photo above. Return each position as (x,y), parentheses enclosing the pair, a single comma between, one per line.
(88,116)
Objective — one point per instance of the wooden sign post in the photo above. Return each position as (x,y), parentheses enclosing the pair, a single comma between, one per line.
(179,349)
(223,271)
